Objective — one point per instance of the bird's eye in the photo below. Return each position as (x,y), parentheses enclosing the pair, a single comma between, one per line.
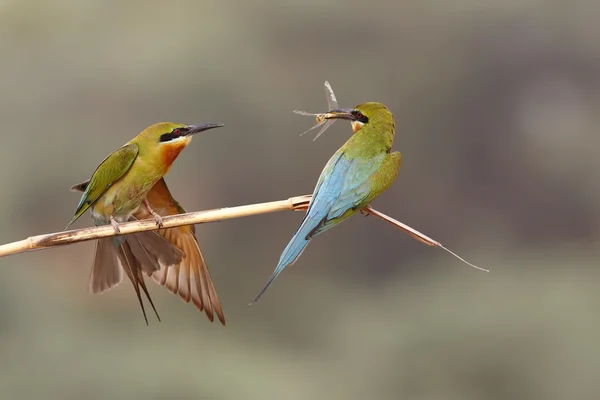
(360,117)
(174,134)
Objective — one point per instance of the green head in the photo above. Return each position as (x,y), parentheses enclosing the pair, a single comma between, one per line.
(364,115)
(171,133)
(165,140)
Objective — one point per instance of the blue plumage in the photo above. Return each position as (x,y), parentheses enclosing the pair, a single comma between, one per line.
(358,172)
(342,186)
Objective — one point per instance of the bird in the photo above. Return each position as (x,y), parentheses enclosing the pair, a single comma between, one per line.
(362,169)
(190,278)
(117,188)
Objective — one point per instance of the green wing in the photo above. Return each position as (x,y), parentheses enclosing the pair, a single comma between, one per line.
(356,190)
(349,184)
(108,172)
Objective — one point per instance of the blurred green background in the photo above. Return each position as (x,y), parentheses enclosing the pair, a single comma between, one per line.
(496,108)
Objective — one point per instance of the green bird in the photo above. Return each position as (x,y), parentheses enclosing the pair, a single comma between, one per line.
(117,189)
(358,172)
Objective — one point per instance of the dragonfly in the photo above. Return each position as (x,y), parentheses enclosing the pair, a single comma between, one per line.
(332,104)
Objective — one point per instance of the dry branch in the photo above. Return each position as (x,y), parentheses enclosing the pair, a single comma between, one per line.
(298,203)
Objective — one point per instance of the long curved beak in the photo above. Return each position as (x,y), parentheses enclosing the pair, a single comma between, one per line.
(340,113)
(193,129)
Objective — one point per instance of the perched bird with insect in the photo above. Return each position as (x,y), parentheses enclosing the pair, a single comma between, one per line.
(362,169)
(123,187)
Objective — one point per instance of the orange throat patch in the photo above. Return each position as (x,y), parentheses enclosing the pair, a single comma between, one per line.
(170,151)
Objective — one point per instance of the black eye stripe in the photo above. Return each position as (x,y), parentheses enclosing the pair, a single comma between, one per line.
(175,133)
(165,137)
(360,116)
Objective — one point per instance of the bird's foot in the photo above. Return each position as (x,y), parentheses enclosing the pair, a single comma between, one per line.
(157,218)
(364,212)
(115,225)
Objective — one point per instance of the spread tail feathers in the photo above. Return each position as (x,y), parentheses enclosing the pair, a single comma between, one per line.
(148,248)
(112,257)
(135,253)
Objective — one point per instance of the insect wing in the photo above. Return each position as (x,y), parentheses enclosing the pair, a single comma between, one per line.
(331,104)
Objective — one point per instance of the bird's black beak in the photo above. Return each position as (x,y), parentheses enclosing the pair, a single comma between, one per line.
(193,129)
(340,113)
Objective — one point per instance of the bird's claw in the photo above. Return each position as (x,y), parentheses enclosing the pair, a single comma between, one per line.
(115,225)
(157,218)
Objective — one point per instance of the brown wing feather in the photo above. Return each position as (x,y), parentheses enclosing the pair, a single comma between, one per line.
(190,278)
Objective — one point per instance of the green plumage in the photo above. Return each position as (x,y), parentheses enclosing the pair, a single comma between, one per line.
(355,175)
(372,168)
(117,189)
(109,171)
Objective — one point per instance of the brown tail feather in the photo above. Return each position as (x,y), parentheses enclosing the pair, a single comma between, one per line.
(111,260)
(106,271)
(165,252)
(133,270)
(148,261)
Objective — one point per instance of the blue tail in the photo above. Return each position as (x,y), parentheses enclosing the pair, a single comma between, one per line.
(293,250)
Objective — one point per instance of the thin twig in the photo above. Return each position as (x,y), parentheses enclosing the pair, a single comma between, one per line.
(298,203)
(417,235)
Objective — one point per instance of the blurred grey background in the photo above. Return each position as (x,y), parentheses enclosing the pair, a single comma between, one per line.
(496,108)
